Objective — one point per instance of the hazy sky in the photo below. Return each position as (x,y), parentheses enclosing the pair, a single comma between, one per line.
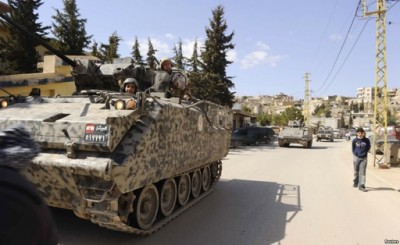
(276,42)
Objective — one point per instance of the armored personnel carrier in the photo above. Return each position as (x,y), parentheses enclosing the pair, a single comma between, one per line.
(295,133)
(126,162)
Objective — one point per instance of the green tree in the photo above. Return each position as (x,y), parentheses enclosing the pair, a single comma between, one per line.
(322,111)
(18,49)
(137,57)
(246,109)
(179,59)
(95,50)
(342,123)
(194,62)
(198,88)
(110,51)
(151,56)
(264,119)
(293,113)
(214,57)
(361,107)
(279,119)
(69,29)
(350,121)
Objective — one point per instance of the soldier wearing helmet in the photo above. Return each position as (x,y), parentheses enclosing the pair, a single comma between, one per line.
(130,85)
(172,81)
(166,65)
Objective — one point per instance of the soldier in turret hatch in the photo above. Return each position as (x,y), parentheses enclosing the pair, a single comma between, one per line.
(130,85)
(172,81)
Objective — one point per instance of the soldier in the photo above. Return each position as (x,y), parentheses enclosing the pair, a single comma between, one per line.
(130,85)
(166,65)
(172,81)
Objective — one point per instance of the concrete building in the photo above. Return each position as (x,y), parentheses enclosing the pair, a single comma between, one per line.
(55,79)
(365,94)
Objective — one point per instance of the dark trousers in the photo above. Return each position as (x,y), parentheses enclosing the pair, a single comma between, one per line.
(360,168)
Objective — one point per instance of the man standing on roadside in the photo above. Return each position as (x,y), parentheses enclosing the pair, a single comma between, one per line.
(360,147)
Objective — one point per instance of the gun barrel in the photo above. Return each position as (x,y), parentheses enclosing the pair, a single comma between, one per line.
(39,40)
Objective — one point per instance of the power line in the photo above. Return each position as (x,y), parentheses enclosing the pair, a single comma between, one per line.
(344,61)
(341,48)
(350,51)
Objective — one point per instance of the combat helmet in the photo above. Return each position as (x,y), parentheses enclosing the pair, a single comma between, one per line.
(130,80)
(164,60)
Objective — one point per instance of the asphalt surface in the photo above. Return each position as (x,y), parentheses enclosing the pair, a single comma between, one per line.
(273,195)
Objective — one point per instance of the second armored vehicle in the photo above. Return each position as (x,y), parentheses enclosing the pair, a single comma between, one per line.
(295,133)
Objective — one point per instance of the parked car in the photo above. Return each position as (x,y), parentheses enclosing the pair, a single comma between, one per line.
(367,128)
(337,134)
(252,136)
(393,130)
(391,139)
(325,134)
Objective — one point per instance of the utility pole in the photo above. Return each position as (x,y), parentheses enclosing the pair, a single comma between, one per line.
(306,104)
(380,95)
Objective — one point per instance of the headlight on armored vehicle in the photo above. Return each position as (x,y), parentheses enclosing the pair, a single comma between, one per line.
(125,104)
(119,104)
(4,103)
(131,104)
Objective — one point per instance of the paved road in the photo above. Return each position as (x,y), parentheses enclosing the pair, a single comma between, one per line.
(273,195)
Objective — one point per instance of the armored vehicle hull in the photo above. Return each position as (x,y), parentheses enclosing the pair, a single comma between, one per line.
(131,170)
(295,134)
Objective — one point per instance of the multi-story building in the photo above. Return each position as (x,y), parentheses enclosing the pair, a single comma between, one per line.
(365,94)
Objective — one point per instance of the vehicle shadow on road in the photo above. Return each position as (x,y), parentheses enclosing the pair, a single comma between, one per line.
(252,148)
(237,212)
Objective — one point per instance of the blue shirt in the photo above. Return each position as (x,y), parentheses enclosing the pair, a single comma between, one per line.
(360,147)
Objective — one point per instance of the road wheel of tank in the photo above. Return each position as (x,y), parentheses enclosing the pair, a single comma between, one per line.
(281,143)
(196,183)
(184,189)
(206,183)
(168,197)
(147,207)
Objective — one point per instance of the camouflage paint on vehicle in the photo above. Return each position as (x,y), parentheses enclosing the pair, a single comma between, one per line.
(96,159)
(119,159)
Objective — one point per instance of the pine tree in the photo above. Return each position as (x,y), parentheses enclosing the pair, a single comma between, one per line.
(69,29)
(137,57)
(179,59)
(215,60)
(18,49)
(194,61)
(195,75)
(342,123)
(95,50)
(110,51)
(151,58)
